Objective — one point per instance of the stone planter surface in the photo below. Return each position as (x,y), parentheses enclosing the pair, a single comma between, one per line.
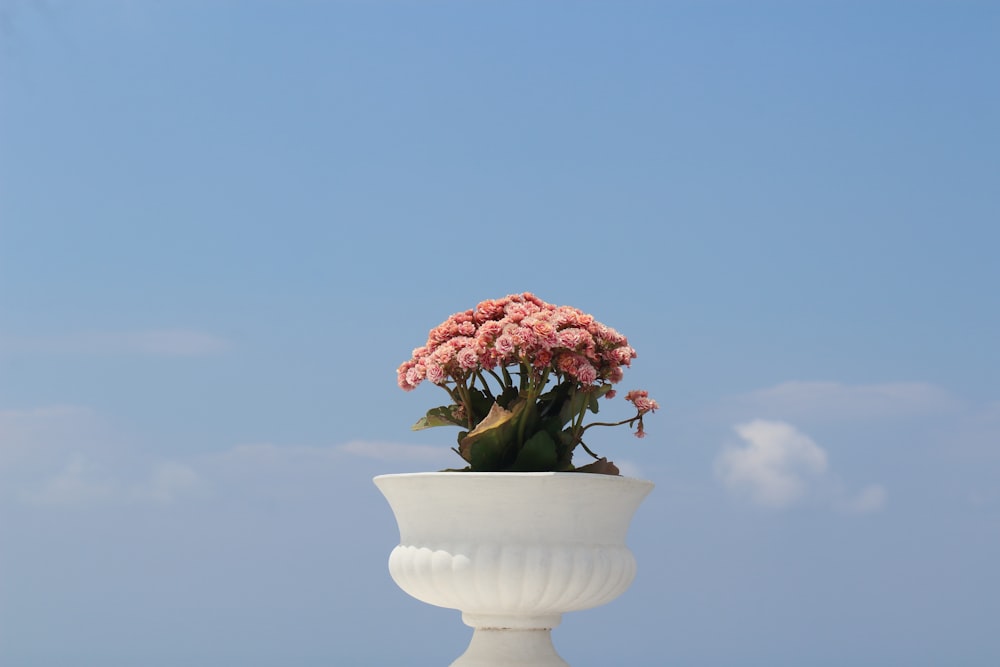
(513,552)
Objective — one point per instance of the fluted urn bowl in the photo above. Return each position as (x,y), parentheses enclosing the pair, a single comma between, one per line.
(513,552)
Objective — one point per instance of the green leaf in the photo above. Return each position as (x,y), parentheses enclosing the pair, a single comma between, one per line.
(595,394)
(552,401)
(489,446)
(486,455)
(508,396)
(481,404)
(573,407)
(441,416)
(565,444)
(537,454)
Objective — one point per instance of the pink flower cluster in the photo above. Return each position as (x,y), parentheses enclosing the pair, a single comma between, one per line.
(521,330)
(643,403)
(641,400)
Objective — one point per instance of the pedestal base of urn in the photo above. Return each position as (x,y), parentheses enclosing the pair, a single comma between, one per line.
(511,642)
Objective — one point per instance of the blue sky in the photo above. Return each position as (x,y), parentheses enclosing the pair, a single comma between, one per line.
(224,224)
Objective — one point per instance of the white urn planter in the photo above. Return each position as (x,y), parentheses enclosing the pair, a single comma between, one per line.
(513,552)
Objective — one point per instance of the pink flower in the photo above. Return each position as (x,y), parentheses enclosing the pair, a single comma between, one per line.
(491,358)
(585,373)
(567,362)
(416,374)
(641,400)
(441,333)
(564,316)
(489,310)
(531,298)
(607,335)
(467,358)
(529,339)
(574,338)
(645,404)
(622,355)
(436,374)
(489,330)
(403,376)
(542,359)
(636,393)
(441,357)
(516,312)
(543,331)
(504,345)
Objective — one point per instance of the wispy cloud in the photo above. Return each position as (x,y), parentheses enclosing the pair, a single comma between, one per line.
(391,451)
(834,400)
(46,435)
(266,454)
(79,483)
(169,481)
(152,342)
(870,499)
(778,466)
(68,456)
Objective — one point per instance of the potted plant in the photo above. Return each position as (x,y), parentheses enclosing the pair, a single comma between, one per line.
(520,534)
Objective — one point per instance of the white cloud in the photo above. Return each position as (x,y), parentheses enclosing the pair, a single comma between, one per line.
(27,435)
(778,466)
(870,499)
(83,482)
(168,482)
(259,455)
(774,466)
(80,482)
(69,456)
(833,400)
(66,456)
(272,461)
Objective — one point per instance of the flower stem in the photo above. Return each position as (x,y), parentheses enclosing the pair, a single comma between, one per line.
(624,421)
(486,386)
